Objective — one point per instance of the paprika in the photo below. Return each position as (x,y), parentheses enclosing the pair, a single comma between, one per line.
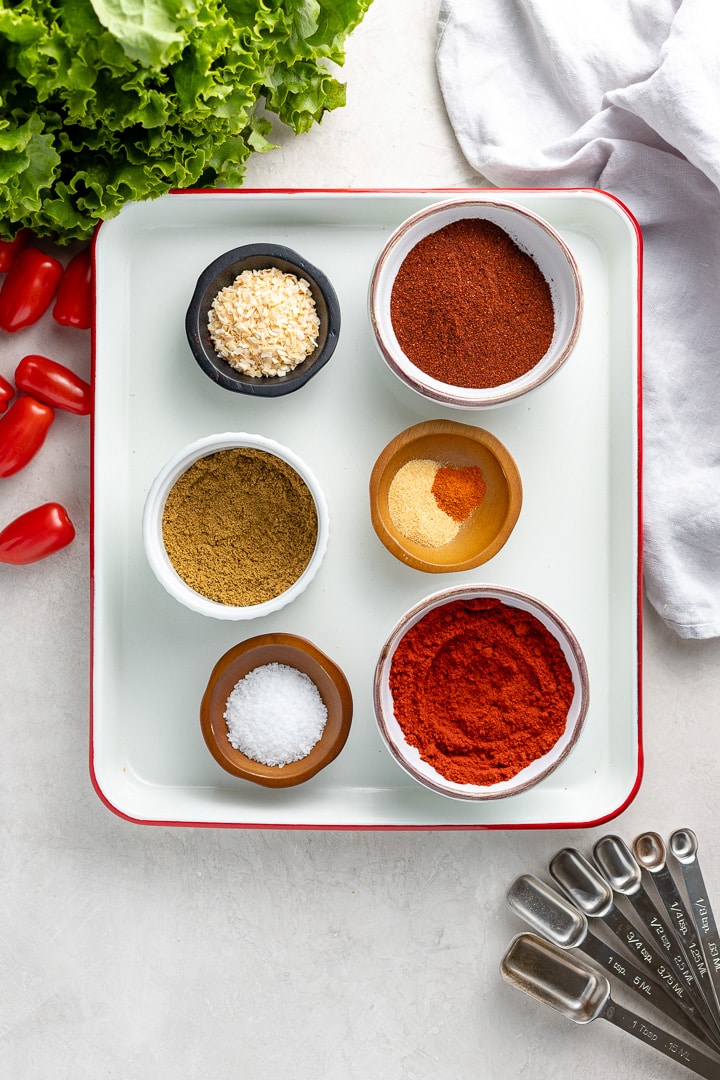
(482,689)
(470,308)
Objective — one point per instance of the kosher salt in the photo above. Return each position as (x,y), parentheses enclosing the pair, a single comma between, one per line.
(275,714)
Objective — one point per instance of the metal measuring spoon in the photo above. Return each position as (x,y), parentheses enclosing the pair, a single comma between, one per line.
(683,845)
(651,853)
(554,978)
(557,920)
(622,872)
(590,892)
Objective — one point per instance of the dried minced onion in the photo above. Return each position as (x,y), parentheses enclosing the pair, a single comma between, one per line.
(265,322)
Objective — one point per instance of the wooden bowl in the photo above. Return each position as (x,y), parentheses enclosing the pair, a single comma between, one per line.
(487,529)
(302,655)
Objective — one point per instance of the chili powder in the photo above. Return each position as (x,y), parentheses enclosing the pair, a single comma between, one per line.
(481,689)
(470,308)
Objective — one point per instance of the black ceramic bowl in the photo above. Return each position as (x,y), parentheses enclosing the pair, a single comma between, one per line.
(221,273)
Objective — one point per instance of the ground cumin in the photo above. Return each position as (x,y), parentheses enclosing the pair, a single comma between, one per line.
(470,308)
(240,526)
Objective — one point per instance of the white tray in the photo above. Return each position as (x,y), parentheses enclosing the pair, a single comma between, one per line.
(576,544)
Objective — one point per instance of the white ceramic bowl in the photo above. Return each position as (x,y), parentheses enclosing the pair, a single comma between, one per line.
(158,558)
(536,238)
(408,757)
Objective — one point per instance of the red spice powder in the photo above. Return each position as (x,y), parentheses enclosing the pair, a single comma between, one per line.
(470,308)
(481,689)
(458,491)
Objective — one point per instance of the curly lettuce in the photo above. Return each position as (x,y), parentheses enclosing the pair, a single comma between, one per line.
(106,101)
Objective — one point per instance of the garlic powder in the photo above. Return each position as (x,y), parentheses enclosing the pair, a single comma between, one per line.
(265,322)
(413,507)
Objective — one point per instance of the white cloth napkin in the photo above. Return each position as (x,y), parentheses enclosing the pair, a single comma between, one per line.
(623,95)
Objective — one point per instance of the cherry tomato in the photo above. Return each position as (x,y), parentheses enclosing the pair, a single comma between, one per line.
(36,534)
(22,432)
(28,289)
(73,306)
(6,393)
(9,249)
(53,383)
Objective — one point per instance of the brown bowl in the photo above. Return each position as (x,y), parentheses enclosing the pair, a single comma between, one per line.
(487,529)
(302,655)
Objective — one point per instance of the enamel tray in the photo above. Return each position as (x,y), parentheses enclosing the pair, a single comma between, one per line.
(576,544)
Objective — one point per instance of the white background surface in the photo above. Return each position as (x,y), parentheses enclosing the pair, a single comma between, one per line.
(129,952)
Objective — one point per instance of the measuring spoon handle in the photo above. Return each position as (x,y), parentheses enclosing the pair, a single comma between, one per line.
(628,933)
(639,981)
(704,919)
(667,1044)
(683,922)
(675,954)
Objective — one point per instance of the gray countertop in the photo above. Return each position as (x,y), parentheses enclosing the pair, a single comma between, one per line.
(135,952)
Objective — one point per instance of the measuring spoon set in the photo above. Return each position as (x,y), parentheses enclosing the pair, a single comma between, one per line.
(665,950)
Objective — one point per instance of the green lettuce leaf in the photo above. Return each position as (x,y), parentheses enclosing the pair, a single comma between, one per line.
(106,101)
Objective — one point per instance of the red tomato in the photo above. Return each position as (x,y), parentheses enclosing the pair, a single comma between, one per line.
(73,306)
(53,383)
(36,534)
(6,393)
(28,289)
(22,432)
(9,249)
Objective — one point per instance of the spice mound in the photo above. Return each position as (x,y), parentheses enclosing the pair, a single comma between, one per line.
(265,322)
(240,526)
(481,689)
(275,715)
(429,502)
(470,308)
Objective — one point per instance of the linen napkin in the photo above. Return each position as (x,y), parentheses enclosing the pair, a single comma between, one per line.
(623,95)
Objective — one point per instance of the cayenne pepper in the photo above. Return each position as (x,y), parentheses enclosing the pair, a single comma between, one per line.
(458,491)
(481,689)
(470,308)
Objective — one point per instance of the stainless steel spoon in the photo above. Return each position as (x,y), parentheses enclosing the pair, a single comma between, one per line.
(623,873)
(651,853)
(590,892)
(683,845)
(551,916)
(581,994)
